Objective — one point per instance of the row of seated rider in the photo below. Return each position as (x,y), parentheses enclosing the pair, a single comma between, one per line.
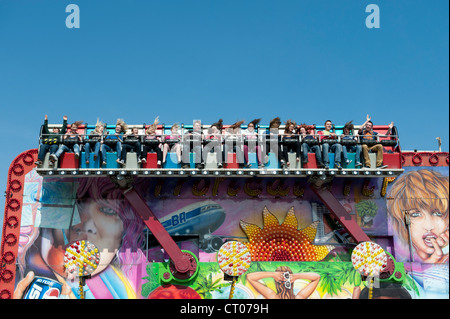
(122,143)
(59,141)
(301,142)
(362,143)
(289,141)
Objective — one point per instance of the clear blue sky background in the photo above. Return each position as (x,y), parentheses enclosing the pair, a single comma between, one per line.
(231,59)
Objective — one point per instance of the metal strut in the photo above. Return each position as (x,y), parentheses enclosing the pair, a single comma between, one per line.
(183,263)
(338,211)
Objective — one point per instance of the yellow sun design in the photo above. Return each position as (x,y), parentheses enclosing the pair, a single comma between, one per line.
(283,242)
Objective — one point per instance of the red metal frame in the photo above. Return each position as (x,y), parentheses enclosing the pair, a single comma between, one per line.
(21,166)
(415,159)
(335,208)
(182,262)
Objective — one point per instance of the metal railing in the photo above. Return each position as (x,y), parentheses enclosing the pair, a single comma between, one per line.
(312,139)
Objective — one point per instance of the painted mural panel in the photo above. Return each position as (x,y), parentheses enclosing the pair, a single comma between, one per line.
(417,205)
(201,214)
(281,280)
(422,194)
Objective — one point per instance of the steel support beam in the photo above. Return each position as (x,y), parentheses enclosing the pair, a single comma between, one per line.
(338,211)
(182,262)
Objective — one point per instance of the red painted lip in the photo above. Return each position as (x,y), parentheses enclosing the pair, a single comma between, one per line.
(427,238)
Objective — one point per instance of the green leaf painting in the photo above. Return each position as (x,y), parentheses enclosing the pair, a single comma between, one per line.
(334,277)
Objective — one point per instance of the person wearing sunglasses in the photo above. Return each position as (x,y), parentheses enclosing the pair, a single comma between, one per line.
(284,283)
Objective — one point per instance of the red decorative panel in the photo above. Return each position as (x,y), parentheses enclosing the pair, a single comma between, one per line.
(152,161)
(232,161)
(393,160)
(312,163)
(21,165)
(425,158)
(68,160)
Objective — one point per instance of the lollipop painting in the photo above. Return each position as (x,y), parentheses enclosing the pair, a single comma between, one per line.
(369,259)
(81,258)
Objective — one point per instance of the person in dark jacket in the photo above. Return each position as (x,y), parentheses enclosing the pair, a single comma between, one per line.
(273,141)
(310,144)
(131,142)
(192,142)
(214,143)
(349,144)
(71,141)
(291,141)
(50,140)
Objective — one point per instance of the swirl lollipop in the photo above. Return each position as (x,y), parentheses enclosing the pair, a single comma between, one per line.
(369,259)
(80,260)
(234,259)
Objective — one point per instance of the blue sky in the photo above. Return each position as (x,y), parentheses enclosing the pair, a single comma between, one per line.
(236,59)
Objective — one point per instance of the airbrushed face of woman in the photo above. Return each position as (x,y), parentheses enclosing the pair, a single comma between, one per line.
(428,228)
(99,225)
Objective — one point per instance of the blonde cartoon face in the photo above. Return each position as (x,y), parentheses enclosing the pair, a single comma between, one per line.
(429,232)
(422,198)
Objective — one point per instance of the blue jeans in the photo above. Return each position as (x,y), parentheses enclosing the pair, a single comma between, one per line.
(87,149)
(306,148)
(105,148)
(63,148)
(44,148)
(352,149)
(334,148)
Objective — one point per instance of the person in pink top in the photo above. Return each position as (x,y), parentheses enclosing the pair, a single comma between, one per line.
(172,143)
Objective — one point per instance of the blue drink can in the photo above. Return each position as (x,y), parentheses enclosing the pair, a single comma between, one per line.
(43,288)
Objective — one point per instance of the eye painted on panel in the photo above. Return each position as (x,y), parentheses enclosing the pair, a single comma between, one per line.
(436,213)
(415,213)
(107,211)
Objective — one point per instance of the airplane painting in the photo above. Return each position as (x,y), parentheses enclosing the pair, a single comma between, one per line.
(202,219)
